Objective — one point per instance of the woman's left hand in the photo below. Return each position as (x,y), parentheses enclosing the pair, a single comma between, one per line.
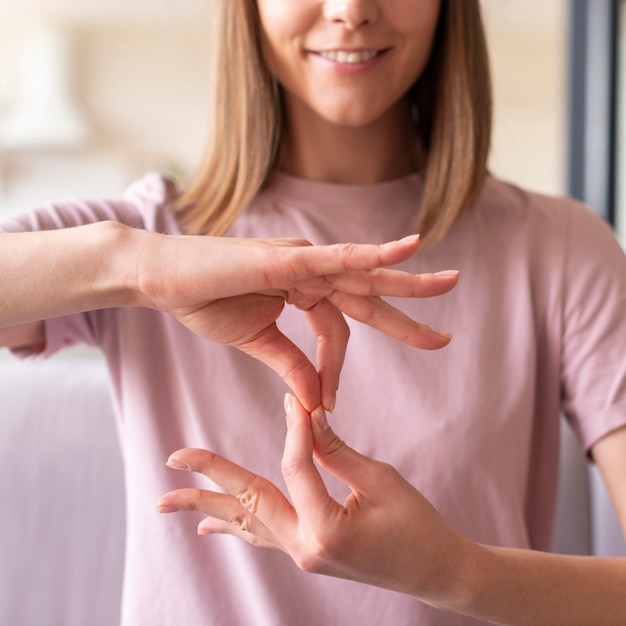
(385,533)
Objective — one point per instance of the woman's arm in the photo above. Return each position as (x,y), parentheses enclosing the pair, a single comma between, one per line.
(227,290)
(387,534)
(526,587)
(52,273)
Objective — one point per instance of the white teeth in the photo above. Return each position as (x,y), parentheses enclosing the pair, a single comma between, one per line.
(342,56)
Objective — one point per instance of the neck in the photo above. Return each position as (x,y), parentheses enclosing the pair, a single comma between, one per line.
(318,150)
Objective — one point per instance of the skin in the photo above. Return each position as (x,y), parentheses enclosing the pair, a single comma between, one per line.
(342,129)
(356,127)
(66,269)
(388,535)
(234,296)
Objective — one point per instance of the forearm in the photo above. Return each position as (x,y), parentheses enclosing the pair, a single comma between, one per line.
(51,273)
(531,588)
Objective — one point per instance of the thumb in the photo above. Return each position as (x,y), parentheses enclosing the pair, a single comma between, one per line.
(304,483)
(336,457)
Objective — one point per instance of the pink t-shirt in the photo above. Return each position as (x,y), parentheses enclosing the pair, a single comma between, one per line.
(538,323)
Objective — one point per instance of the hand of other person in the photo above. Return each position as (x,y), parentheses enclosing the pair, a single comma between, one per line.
(384,534)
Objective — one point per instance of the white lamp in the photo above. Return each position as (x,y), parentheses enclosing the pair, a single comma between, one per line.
(45,114)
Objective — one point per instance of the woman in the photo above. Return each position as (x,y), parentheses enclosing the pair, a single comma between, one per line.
(356,101)
(352,120)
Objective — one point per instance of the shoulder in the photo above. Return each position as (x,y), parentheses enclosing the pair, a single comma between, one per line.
(542,220)
(148,203)
(510,201)
(154,198)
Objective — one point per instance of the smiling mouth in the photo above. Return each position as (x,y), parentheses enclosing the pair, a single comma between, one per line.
(349,57)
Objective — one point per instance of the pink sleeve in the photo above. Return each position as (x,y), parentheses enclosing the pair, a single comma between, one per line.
(61,332)
(594,321)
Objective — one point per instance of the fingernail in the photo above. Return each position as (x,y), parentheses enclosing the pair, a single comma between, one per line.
(442,333)
(288,402)
(167,509)
(411,238)
(447,273)
(319,415)
(176,464)
(333,402)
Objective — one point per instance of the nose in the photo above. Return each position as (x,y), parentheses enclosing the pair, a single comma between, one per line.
(352,14)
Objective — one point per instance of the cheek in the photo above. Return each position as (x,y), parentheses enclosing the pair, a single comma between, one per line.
(414,14)
(419,30)
(283,26)
(287,19)
(272,14)
(416,20)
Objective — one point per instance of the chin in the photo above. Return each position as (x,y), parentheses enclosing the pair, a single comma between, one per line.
(351,118)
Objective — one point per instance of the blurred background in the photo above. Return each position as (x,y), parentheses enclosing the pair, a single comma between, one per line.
(94,94)
(128,81)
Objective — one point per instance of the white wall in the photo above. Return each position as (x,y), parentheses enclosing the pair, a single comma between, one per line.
(142,87)
(528,46)
(141,80)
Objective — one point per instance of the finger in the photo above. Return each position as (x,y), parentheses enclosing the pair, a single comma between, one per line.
(219,506)
(289,362)
(297,264)
(387,319)
(385,282)
(314,506)
(354,469)
(211,525)
(332,332)
(258,496)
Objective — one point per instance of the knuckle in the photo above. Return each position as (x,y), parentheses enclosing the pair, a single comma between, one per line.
(249,499)
(308,563)
(375,275)
(373,314)
(208,460)
(290,467)
(242,522)
(301,366)
(191,498)
(321,550)
(334,446)
(346,249)
(250,496)
(387,469)
(388,474)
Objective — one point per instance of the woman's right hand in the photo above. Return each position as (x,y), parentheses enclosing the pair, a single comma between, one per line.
(385,533)
(233,290)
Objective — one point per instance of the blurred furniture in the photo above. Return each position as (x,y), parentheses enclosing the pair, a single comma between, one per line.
(61,486)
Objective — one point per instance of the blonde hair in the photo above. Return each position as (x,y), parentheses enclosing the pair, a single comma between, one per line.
(452,98)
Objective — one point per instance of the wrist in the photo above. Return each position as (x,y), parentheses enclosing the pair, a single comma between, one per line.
(459,584)
(119,249)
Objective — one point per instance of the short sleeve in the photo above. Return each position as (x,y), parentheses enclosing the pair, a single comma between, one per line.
(61,332)
(594,323)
